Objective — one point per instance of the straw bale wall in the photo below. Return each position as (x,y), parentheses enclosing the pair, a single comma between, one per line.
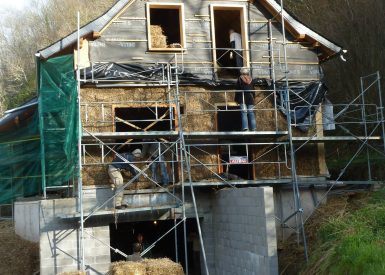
(306,164)
(94,97)
(204,165)
(195,102)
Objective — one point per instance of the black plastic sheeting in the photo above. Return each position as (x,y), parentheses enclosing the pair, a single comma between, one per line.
(304,101)
(304,97)
(105,72)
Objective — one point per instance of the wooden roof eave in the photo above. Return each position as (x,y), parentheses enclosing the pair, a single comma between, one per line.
(299,36)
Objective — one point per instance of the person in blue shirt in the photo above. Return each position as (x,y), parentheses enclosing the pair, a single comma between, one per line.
(115,172)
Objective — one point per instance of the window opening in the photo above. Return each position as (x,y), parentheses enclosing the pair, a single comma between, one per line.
(165,27)
(139,119)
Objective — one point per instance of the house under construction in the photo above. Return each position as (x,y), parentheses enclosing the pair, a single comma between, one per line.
(160,73)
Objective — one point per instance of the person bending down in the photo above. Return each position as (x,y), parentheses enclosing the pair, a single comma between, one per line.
(114,171)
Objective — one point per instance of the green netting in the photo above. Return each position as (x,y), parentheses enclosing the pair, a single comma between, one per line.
(23,150)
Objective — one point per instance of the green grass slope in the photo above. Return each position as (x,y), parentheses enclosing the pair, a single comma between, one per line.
(353,243)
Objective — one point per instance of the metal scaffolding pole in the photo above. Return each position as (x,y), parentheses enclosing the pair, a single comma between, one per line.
(297,198)
(188,168)
(363,116)
(381,107)
(80,182)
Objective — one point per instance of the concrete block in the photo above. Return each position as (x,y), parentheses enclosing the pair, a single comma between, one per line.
(241,244)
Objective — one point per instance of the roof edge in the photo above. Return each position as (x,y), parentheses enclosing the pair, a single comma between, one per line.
(94,26)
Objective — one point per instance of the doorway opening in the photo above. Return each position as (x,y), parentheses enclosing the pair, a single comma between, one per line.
(235,159)
(226,18)
(124,235)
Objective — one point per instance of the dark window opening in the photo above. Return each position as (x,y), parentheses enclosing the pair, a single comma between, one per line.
(224,20)
(124,235)
(230,120)
(165,27)
(143,118)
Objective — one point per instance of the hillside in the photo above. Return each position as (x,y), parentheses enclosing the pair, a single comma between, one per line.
(345,236)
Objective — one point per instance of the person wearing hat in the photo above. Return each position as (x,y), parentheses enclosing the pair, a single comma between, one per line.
(119,163)
(244,96)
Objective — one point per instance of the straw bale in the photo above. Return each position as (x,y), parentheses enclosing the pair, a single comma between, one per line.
(128,268)
(158,39)
(174,46)
(199,171)
(163,266)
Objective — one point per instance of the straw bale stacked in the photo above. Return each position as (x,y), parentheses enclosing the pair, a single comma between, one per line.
(162,266)
(158,39)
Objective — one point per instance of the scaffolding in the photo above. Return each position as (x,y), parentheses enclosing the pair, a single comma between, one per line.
(281,144)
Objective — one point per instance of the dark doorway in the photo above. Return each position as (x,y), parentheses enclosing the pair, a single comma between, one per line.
(224,20)
(230,120)
(124,235)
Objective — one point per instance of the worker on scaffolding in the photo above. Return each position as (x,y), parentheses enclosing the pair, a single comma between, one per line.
(236,44)
(122,162)
(244,96)
(153,148)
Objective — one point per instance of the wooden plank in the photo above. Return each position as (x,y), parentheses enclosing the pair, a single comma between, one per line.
(117,16)
(323,170)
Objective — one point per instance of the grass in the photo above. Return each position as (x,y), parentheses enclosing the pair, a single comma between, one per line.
(352,244)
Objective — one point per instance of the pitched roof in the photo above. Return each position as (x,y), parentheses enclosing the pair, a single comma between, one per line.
(292,25)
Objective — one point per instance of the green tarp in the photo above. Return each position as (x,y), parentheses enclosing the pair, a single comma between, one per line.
(56,118)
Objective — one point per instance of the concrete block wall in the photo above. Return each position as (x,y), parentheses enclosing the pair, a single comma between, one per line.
(209,242)
(244,231)
(59,245)
(26,220)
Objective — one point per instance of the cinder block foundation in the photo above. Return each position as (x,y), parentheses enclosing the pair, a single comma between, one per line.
(244,231)
(238,227)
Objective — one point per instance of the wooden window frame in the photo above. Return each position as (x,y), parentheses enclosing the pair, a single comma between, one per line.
(133,106)
(158,5)
(244,30)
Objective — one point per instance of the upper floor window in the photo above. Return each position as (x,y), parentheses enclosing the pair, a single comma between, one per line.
(165,27)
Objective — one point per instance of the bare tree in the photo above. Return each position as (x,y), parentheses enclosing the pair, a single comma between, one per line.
(29,30)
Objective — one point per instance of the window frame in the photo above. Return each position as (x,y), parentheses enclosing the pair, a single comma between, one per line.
(244,30)
(158,5)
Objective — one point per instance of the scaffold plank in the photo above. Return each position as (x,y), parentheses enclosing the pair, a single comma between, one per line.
(334,139)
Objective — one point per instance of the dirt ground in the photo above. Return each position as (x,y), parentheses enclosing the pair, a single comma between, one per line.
(17,256)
